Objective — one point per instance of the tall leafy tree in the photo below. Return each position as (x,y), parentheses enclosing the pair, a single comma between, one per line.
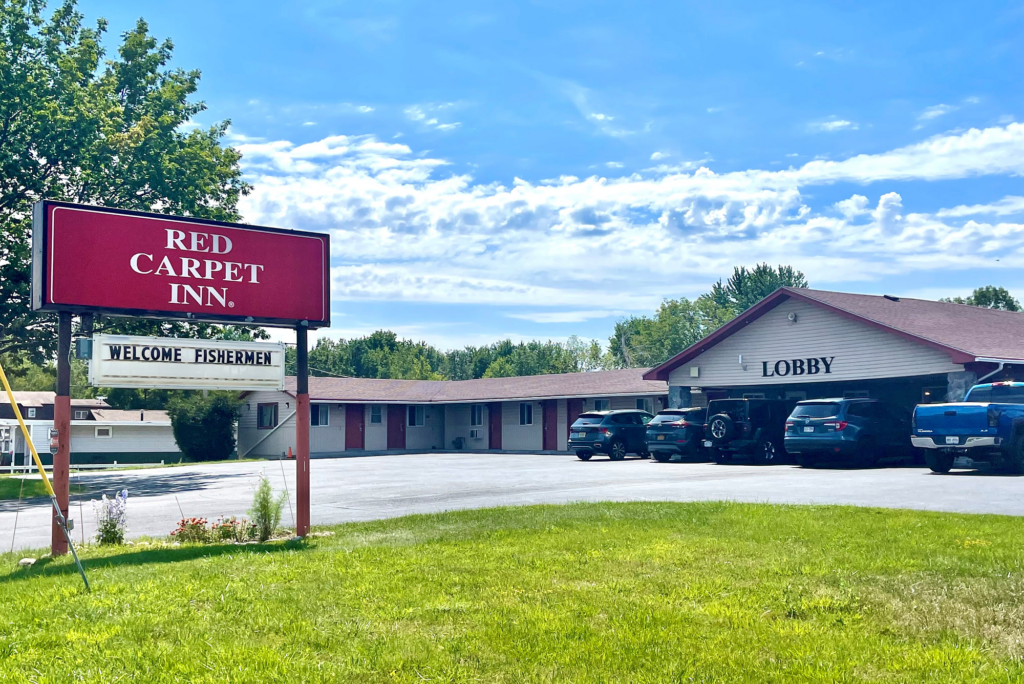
(989,297)
(116,133)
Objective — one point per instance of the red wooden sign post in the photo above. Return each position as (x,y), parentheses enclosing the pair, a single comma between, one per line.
(93,260)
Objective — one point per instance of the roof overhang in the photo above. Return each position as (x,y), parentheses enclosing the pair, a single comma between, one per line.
(770,302)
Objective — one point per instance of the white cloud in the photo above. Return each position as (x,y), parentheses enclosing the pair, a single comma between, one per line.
(887,214)
(364,109)
(834,125)
(405,228)
(309,123)
(425,115)
(614,165)
(565,316)
(935,112)
(1007,206)
(596,116)
(659,155)
(853,207)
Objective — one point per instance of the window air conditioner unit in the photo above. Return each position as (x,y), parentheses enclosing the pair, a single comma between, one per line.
(474,434)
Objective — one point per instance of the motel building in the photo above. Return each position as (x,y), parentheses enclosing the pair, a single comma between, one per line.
(352,416)
(99,434)
(811,344)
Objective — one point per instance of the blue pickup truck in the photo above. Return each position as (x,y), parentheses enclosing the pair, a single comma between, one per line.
(986,427)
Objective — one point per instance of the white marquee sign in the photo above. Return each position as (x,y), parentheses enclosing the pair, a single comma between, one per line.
(171,363)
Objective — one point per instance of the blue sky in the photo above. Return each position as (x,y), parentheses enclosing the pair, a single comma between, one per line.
(541,169)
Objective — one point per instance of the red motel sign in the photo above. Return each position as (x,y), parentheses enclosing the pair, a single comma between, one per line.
(124,263)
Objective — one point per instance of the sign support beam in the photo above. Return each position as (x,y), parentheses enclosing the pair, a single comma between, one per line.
(62,422)
(302,423)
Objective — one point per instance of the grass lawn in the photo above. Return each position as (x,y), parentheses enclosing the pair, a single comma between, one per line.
(10,487)
(642,592)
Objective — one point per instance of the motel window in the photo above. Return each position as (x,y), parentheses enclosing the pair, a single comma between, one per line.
(104,432)
(526,414)
(415,416)
(375,415)
(645,405)
(266,416)
(31,413)
(319,415)
(476,414)
(601,404)
(81,415)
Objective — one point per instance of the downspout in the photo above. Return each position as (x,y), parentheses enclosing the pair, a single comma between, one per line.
(995,372)
(243,455)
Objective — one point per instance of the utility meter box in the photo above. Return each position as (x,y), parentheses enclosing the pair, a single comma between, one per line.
(54,442)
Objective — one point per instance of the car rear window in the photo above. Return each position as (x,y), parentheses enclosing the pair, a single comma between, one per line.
(1007,394)
(734,408)
(823,410)
(668,417)
(589,419)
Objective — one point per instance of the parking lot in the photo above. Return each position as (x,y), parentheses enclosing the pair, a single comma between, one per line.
(352,489)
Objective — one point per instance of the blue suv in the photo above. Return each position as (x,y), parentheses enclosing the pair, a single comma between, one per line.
(862,429)
(615,433)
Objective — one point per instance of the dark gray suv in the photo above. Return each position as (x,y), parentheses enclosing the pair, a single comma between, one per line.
(615,433)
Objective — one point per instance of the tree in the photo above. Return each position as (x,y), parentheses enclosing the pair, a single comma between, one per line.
(747,287)
(117,136)
(640,341)
(502,367)
(988,297)
(204,427)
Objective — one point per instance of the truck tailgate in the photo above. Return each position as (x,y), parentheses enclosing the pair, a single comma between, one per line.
(952,419)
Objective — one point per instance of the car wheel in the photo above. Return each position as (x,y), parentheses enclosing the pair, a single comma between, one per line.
(765,453)
(617,450)
(662,456)
(806,460)
(721,428)
(584,455)
(939,462)
(720,457)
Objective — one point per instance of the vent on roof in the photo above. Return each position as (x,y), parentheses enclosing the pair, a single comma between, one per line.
(891,298)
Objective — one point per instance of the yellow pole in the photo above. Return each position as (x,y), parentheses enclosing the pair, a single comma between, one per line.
(42,472)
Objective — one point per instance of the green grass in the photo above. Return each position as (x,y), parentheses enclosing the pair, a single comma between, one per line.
(12,487)
(643,592)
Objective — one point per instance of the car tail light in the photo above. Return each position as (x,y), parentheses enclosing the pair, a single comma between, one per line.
(913,420)
(790,424)
(838,426)
(993,417)
(681,423)
(603,431)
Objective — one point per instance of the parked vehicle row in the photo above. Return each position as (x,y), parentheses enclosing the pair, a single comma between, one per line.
(987,427)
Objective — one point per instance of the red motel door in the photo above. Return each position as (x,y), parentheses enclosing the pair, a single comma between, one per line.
(494,425)
(354,427)
(574,407)
(396,426)
(551,425)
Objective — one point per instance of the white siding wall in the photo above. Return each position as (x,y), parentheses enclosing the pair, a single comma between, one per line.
(330,438)
(860,351)
(376,433)
(430,435)
(516,437)
(157,439)
(456,424)
(563,428)
(277,443)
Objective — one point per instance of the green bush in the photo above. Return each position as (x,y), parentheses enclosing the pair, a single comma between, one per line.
(204,427)
(266,510)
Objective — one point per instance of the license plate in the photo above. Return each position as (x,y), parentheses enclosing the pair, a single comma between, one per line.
(661,437)
(580,435)
(952,440)
(809,428)
(707,443)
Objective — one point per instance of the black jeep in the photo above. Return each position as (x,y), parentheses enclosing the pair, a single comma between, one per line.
(747,427)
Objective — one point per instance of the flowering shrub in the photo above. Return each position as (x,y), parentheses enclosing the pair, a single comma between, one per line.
(111,518)
(234,529)
(192,531)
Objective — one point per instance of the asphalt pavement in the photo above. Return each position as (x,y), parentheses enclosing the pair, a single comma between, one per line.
(374,487)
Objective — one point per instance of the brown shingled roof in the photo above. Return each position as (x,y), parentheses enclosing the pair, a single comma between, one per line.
(966,333)
(628,381)
(48,398)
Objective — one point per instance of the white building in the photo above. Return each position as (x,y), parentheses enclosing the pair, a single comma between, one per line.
(99,434)
(808,344)
(360,415)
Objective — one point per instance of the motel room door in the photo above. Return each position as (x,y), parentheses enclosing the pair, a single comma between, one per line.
(494,425)
(396,426)
(355,428)
(550,442)
(574,407)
